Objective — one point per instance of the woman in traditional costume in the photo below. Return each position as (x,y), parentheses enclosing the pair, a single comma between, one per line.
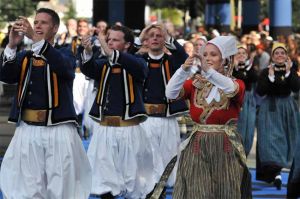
(212,163)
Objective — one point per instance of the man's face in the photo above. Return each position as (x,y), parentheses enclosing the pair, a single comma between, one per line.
(83,28)
(44,26)
(116,41)
(156,40)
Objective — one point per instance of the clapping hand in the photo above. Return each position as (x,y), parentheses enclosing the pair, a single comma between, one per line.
(271,70)
(289,65)
(26,27)
(17,32)
(188,63)
(103,43)
(203,66)
(86,43)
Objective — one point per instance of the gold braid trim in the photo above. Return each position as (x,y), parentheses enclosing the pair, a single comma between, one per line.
(231,132)
(203,88)
(22,76)
(236,90)
(200,101)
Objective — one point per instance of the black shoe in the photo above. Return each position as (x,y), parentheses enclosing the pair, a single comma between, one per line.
(107,196)
(277,183)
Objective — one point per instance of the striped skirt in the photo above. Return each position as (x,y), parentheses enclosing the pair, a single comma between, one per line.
(210,167)
(246,121)
(277,129)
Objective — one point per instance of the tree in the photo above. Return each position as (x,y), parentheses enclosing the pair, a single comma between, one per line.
(196,5)
(296,15)
(71,11)
(11,9)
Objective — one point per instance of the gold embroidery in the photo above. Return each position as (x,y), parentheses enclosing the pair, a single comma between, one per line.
(22,76)
(203,88)
(236,90)
(38,62)
(167,70)
(55,89)
(101,84)
(131,91)
(231,132)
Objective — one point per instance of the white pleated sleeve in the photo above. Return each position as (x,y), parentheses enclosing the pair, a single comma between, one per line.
(176,82)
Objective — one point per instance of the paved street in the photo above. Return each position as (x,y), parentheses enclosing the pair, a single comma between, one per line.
(6,129)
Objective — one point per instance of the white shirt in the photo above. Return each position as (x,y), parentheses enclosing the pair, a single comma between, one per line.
(218,80)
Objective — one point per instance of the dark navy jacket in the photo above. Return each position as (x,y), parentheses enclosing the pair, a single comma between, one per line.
(160,72)
(57,81)
(118,94)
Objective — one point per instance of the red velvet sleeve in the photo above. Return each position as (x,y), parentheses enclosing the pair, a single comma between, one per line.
(187,89)
(239,97)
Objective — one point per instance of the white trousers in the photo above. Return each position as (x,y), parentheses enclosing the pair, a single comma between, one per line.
(164,135)
(80,86)
(88,102)
(45,163)
(121,161)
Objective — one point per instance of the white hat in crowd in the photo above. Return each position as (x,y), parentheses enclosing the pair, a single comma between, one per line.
(216,32)
(226,44)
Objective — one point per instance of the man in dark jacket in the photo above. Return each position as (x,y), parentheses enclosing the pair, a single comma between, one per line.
(45,158)
(119,153)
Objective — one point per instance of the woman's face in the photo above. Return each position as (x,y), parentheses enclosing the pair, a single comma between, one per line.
(189,48)
(241,55)
(199,43)
(213,57)
(279,56)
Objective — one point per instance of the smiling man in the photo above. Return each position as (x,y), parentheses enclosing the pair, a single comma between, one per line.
(45,158)
(119,152)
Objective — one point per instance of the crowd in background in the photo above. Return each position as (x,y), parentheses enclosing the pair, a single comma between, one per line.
(259,50)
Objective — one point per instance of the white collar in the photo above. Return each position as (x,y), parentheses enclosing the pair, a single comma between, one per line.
(156,57)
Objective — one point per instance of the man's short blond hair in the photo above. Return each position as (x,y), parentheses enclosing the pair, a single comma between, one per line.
(144,34)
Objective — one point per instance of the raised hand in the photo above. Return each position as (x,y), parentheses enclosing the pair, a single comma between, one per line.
(26,27)
(289,65)
(16,34)
(103,43)
(203,66)
(271,70)
(235,62)
(188,63)
(86,43)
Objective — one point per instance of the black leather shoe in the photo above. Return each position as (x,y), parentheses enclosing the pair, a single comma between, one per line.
(277,183)
(107,196)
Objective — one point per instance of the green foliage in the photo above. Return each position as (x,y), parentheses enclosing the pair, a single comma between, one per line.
(296,15)
(2,25)
(174,15)
(71,12)
(264,9)
(11,9)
